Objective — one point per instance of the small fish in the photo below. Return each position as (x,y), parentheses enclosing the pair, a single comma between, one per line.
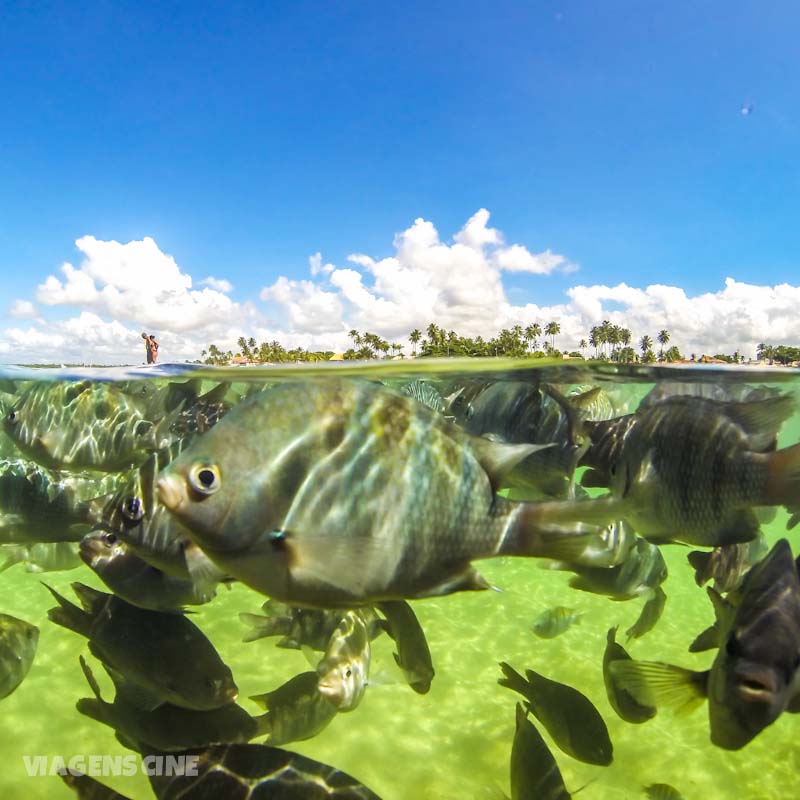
(568,716)
(18,642)
(36,507)
(343,493)
(134,580)
(298,627)
(727,565)
(555,621)
(517,412)
(662,791)
(643,570)
(414,655)
(649,616)
(344,670)
(534,772)
(296,711)
(166,656)
(77,425)
(166,728)
(620,700)
(42,557)
(756,673)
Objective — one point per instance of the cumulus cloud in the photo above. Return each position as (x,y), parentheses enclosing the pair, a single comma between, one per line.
(23,309)
(219,284)
(120,290)
(135,282)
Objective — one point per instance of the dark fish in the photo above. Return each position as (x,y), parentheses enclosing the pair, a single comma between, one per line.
(692,470)
(259,772)
(166,656)
(755,676)
(555,621)
(342,493)
(167,728)
(88,788)
(35,506)
(295,711)
(18,642)
(80,425)
(136,581)
(728,564)
(620,700)
(534,772)
(413,655)
(524,413)
(569,716)
(643,570)
(649,616)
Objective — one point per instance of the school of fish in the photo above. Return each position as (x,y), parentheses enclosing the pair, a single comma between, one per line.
(347,501)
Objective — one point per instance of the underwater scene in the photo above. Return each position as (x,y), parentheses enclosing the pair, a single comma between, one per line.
(426,580)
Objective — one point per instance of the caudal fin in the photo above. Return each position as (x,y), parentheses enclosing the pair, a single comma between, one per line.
(783,478)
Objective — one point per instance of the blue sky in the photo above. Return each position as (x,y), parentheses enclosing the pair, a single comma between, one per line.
(244,139)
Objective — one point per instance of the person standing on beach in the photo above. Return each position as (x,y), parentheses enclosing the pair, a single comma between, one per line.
(151,347)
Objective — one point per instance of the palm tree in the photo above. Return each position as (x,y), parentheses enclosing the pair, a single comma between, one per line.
(625,336)
(356,337)
(583,345)
(645,344)
(663,338)
(414,338)
(553,329)
(531,334)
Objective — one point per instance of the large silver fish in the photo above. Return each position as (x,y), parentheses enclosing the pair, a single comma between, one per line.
(18,642)
(338,493)
(79,425)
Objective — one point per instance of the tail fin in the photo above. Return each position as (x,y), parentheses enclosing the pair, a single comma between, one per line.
(513,680)
(560,530)
(68,615)
(700,561)
(92,600)
(783,478)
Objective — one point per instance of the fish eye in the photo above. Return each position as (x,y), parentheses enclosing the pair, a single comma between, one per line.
(732,645)
(12,417)
(109,538)
(204,478)
(349,673)
(132,509)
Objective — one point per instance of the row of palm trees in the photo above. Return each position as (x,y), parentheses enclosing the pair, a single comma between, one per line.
(613,342)
(609,341)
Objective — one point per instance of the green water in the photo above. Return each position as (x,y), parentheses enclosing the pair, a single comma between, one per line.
(455,741)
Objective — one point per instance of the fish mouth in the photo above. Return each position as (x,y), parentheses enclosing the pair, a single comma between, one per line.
(169,492)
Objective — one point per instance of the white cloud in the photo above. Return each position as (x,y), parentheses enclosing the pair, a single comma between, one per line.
(122,289)
(219,284)
(23,309)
